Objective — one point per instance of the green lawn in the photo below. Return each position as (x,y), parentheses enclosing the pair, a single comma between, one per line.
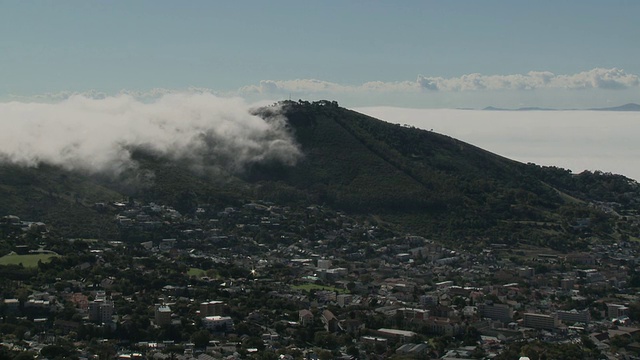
(196,272)
(28,261)
(309,287)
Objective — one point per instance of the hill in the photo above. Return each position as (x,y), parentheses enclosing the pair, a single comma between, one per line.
(58,197)
(625,107)
(438,185)
(410,179)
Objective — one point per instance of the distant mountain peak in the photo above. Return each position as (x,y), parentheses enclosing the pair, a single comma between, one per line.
(625,107)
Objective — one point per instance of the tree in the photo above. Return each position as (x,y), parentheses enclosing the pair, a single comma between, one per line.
(201,338)
(27,355)
(353,351)
(471,336)
(325,355)
(255,342)
(478,353)
(55,352)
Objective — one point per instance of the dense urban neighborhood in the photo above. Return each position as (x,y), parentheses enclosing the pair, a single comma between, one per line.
(264,281)
(319,180)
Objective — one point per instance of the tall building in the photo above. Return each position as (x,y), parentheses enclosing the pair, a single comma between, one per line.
(101,310)
(162,315)
(211,308)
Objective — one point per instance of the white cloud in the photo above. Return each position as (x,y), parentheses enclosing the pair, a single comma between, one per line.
(597,78)
(97,134)
(603,87)
(313,86)
(151,94)
(296,86)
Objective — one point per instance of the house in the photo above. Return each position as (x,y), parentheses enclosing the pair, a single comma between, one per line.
(80,301)
(352,326)
(330,322)
(344,299)
(443,326)
(167,244)
(411,348)
(66,326)
(395,333)
(411,313)
(305,317)
(11,306)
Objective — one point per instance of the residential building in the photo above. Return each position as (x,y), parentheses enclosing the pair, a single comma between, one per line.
(162,315)
(101,310)
(344,299)
(330,322)
(305,317)
(11,306)
(540,321)
(218,323)
(574,316)
(211,308)
(500,312)
(615,311)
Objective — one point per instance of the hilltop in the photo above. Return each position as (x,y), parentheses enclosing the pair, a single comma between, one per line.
(413,180)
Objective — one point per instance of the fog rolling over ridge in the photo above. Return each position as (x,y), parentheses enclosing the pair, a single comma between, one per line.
(98,135)
(575,140)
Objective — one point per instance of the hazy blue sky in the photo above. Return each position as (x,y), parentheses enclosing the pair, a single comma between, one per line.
(406,53)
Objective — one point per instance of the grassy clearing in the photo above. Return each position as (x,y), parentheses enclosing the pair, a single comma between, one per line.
(28,261)
(196,272)
(202,273)
(309,287)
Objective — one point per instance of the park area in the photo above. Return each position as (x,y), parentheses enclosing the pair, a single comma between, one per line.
(28,261)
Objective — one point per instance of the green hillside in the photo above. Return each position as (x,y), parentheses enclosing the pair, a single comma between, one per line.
(437,185)
(63,199)
(414,180)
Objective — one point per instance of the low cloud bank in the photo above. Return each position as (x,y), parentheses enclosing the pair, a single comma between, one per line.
(598,78)
(97,134)
(575,140)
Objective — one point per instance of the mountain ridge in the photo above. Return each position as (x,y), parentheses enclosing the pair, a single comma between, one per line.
(420,181)
(464,185)
(625,107)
